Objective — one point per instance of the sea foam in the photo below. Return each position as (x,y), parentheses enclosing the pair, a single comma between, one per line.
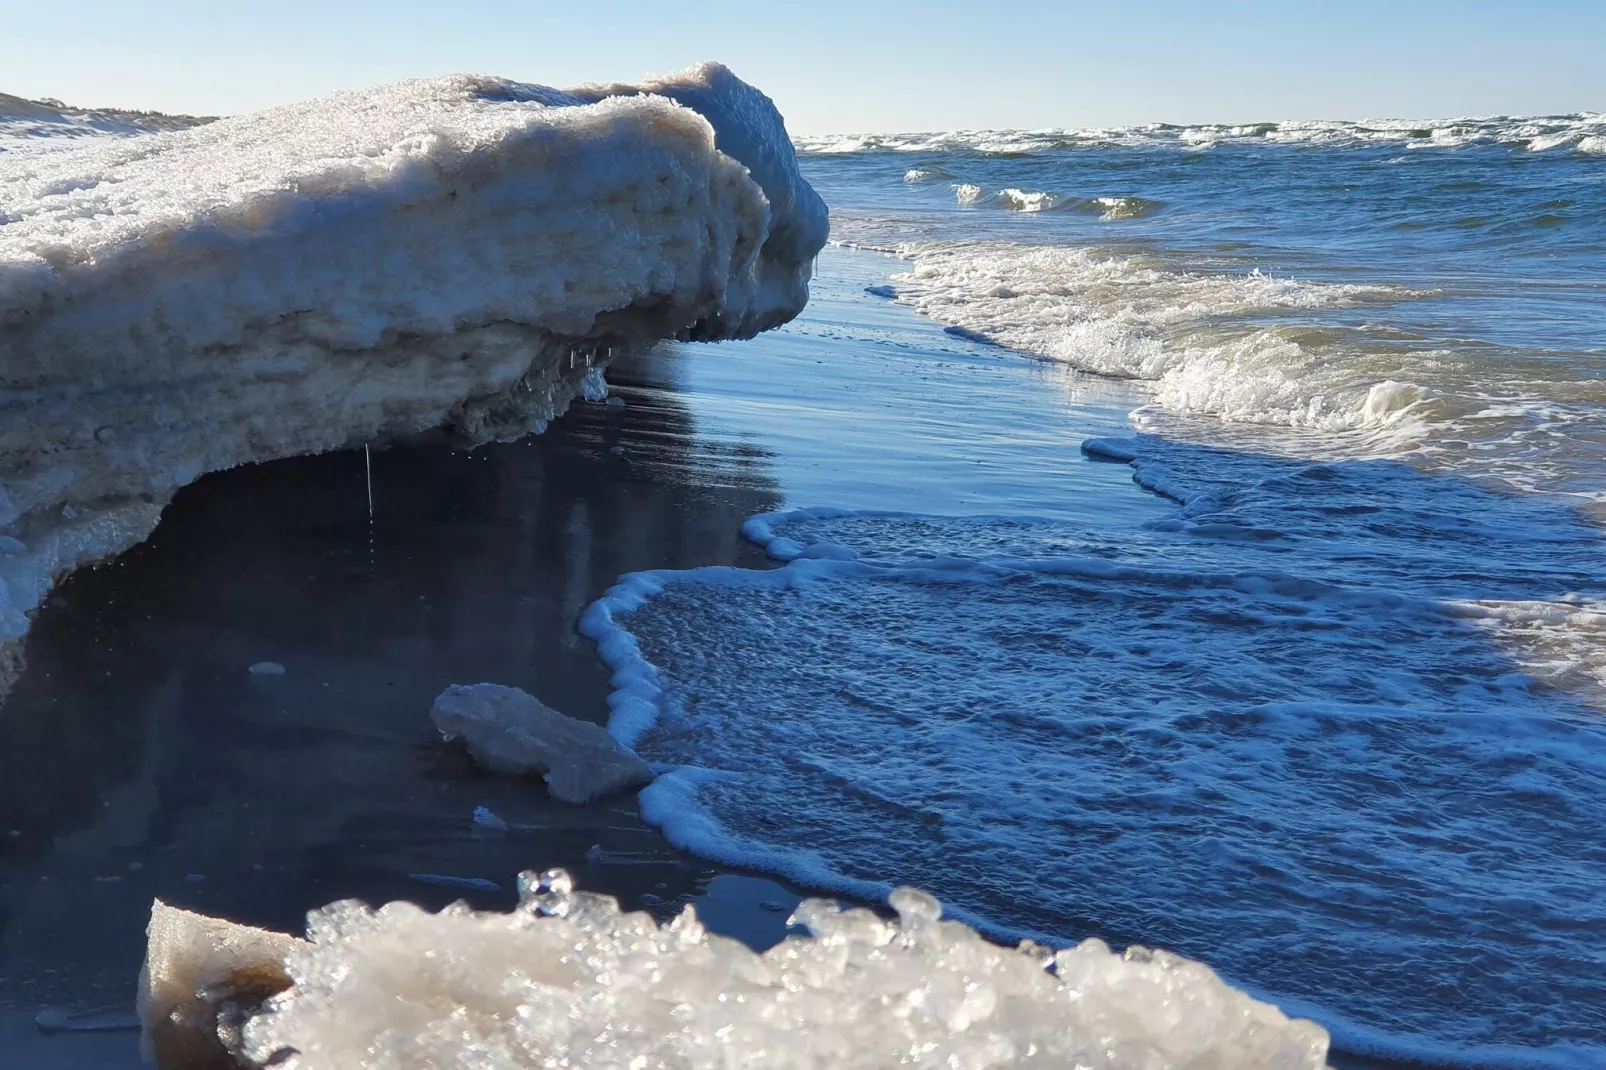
(1251,734)
(1533,133)
(1123,317)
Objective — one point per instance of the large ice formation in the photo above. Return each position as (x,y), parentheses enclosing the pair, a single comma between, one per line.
(567,980)
(459,252)
(511,731)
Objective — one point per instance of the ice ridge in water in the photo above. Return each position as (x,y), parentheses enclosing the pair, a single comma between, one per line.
(460,251)
(567,979)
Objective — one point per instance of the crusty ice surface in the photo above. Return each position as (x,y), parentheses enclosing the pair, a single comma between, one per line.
(460,251)
(28,125)
(511,731)
(190,956)
(567,980)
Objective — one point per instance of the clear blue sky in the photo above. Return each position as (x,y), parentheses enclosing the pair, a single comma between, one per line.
(841,65)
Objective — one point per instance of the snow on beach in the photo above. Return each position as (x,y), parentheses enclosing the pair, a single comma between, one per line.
(29,125)
(458,252)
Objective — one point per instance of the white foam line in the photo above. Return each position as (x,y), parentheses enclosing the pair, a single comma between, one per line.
(671,803)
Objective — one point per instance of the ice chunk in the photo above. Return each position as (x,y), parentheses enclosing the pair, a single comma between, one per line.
(460,252)
(485,817)
(511,731)
(201,975)
(567,979)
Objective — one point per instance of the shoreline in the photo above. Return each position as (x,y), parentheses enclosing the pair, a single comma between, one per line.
(145,760)
(139,738)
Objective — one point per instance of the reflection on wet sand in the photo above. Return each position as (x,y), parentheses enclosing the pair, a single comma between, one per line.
(141,758)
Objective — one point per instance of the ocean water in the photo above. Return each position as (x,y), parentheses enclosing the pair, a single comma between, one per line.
(1191,537)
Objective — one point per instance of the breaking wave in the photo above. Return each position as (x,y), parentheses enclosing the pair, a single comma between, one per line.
(1120,317)
(1015,199)
(1581,132)
(1169,738)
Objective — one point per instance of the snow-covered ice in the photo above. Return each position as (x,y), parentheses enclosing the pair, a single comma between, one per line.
(460,251)
(567,979)
(29,125)
(511,731)
(195,966)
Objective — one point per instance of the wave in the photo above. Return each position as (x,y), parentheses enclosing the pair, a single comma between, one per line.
(462,252)
(1583,132)
(1245,357)
(1015,199)
(1127,318)
(1112,208)
(1011,198)
(1060,739)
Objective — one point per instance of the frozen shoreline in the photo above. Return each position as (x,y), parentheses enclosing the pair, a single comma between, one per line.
(462,253)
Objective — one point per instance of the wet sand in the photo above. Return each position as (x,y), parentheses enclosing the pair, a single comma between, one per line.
(142,759)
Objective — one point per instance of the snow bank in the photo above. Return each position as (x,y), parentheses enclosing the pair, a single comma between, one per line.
(510,731)
(566,979)
(459,251)
(27,125)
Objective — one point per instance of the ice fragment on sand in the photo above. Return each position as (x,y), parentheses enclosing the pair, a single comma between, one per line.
(510,731)
(200,977)
(567,979)
(484,817)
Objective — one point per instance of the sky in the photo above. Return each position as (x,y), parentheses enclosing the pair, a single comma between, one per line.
(843,66)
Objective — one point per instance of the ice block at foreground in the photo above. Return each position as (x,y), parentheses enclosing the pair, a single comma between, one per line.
(201,976)
(511,731)
(566,979)
(460,252)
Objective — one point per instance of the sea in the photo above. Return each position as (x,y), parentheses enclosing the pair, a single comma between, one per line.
(1186,536)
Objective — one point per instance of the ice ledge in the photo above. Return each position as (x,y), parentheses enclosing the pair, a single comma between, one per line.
(455,252)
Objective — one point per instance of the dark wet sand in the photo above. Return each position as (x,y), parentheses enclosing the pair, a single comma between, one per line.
(141,759)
